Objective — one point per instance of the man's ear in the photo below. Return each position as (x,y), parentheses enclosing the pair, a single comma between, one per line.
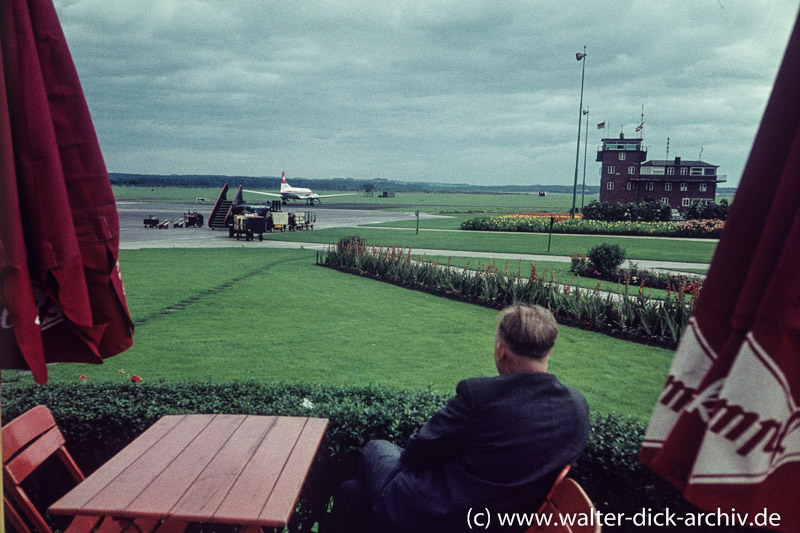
(500,351)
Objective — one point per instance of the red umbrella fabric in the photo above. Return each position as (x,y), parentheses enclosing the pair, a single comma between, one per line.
(726,430)
(61,297)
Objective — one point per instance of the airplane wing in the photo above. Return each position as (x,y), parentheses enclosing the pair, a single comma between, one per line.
(264,193)
(333,195)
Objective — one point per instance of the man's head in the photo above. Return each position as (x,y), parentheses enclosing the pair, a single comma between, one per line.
(524,339)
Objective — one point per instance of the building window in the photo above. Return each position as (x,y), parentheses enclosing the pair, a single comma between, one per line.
(684,187)
(696,171)
(670,171)
(622,156)
(703,187)
(684,171)
(665,201)
(686,202)
(610,185)
(650,186)
(668,186)
(611,169)
(629,186)
(631,169)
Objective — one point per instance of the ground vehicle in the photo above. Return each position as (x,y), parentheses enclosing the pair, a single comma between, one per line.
(280,221)
(302,220)
(248,226)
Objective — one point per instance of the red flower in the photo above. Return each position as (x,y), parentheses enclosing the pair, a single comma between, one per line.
(82,377)
(135,378)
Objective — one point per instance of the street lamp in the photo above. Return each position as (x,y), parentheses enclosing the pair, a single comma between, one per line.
(580,57)
(585,148)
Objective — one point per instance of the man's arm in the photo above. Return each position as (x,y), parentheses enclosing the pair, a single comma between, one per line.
(443,435)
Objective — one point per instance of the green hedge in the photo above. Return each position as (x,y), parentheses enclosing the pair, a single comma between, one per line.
(650,211)
(99,419)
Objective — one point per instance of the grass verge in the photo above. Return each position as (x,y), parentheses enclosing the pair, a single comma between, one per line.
(272,315)
(659,249)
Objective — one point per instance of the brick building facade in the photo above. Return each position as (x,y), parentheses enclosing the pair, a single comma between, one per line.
(625,176)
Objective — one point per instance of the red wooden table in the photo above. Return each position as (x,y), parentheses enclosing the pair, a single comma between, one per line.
(231,469)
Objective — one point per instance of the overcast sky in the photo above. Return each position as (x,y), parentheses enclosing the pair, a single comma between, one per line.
(462,92)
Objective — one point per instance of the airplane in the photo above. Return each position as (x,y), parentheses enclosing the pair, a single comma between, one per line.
(297,193)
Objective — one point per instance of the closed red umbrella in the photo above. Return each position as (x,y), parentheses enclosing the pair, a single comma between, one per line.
(61,295)
(726,430)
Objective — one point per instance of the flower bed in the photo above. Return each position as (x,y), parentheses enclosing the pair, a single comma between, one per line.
(633,275)
(629,315)
(541,224)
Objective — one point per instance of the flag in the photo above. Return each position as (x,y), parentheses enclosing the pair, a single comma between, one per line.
(726,430)
(601,125)
(640,127)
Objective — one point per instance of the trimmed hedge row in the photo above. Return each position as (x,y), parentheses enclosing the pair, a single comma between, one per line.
(99,419)
(635,317)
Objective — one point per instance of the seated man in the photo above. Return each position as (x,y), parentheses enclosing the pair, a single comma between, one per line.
(498,444)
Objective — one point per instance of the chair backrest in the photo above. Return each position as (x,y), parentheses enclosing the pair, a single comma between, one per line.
(569,508)
(28,441)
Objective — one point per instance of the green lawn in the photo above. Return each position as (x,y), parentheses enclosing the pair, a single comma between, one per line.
(273,315)
(524,243)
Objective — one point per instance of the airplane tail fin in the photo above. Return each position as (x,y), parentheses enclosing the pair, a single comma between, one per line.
(284,184)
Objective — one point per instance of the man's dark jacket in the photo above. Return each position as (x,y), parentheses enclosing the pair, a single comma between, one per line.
(497,445)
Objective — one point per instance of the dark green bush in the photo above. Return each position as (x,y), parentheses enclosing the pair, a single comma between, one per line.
(650,211)
(606,258)
(99,419)
(710,211)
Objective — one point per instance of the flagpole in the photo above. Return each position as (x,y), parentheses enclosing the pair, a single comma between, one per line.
(585,148)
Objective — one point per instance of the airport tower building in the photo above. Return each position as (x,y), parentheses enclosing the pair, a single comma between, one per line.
(625,176)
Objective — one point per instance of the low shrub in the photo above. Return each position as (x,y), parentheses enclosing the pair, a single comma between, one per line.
(99,419)
(606,258)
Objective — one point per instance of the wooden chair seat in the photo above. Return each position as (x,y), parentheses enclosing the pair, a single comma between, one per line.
(566,498)
(28,441)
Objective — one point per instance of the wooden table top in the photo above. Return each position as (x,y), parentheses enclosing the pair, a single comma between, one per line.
(232,469)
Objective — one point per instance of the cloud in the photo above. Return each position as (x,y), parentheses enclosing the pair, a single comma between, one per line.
(446,91)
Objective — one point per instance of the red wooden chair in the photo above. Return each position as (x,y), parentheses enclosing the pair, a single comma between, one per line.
(565,498)
(28,441)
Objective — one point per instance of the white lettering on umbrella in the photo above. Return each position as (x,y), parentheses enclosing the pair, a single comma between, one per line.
(753,421)
(692,361)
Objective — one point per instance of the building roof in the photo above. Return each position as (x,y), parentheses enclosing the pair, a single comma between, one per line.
(677,162)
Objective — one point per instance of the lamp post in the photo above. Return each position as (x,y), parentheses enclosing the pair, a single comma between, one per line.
(585,148)
(580,57)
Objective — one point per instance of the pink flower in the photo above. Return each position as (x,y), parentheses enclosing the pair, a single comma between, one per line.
(82,377)
(135,378)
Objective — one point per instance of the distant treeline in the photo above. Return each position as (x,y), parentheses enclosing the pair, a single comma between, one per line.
(328,184)
(338,184)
